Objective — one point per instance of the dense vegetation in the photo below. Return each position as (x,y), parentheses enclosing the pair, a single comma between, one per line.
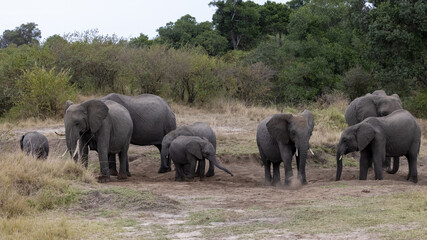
(261,54)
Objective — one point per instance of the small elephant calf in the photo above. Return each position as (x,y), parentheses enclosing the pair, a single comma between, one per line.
(36,144)
(185,151)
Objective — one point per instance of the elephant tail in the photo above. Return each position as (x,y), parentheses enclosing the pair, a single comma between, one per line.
(21,142)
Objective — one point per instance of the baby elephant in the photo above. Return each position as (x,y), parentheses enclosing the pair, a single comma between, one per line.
(186,150)
(36,144)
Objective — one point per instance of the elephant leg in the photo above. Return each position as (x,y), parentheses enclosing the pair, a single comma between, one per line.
(179,172)
(202,169)
(112,164)
(105,171)
(412,163)
(123,158)
(364,164)
(267,179)
(276,173)
(395,166)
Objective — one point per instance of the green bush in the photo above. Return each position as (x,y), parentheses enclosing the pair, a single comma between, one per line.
(417,104)
(42,93)
(358,82)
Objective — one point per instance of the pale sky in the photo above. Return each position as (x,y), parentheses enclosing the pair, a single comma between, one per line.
(124,18)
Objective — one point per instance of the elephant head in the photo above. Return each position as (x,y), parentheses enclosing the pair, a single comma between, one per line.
(82,119)
(354,138)
(377,105)
(203,149)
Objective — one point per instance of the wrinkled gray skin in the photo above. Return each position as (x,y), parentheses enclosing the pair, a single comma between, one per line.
(185,151)
(395,135)
(377,104)
(36,144)
(102,126)
(198,129)
(279,137)
(152,119)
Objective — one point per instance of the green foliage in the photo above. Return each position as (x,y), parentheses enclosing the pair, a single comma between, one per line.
(417,104)
(357,82)
(187,32)
(140,41)
(42,93)
(238,21)
(24,34)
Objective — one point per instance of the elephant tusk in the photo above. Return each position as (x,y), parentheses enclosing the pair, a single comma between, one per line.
(311,151)
(77,148)
(341,157)
(296,153)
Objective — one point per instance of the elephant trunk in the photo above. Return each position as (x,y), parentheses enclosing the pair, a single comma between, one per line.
(72,139)
(395,166)
(339,165)
(213,160)
(165,165)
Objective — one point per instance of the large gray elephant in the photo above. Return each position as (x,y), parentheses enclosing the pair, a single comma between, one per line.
(103,126)
(397,134)
(279,137)
(377,104)
(185,151)
(36,144)
(152,119)
(199,129)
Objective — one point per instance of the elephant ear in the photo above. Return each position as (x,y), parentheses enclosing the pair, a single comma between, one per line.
(68,104)
(309,118)
(366,107)
(194,149)
(278,127)
(97,111)
(365,134)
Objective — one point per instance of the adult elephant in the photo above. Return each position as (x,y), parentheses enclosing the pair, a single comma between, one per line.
(198,129)
(397,134)
(152,119)
(36,144)
(377,104)
(279,137)
(104,126)
(186,151)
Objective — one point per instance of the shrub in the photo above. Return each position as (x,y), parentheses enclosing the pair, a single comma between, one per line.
(358,82)
(42,93)
(417,104)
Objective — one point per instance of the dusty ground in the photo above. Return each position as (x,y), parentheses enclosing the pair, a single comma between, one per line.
(226,207)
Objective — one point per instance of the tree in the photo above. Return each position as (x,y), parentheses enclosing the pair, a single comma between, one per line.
(187,32)
(238,21)
(274,19)
(24,34)
(295,4)
(140,41)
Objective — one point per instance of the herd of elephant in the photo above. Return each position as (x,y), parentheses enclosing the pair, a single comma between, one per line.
(378,127)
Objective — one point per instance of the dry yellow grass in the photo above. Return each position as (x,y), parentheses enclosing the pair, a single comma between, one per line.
(28,185)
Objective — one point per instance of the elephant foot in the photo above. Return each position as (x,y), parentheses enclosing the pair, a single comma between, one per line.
(113,172)
(104,179)
(163,170)
(412,178)
(210,174)
(128,174)
(122,176)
